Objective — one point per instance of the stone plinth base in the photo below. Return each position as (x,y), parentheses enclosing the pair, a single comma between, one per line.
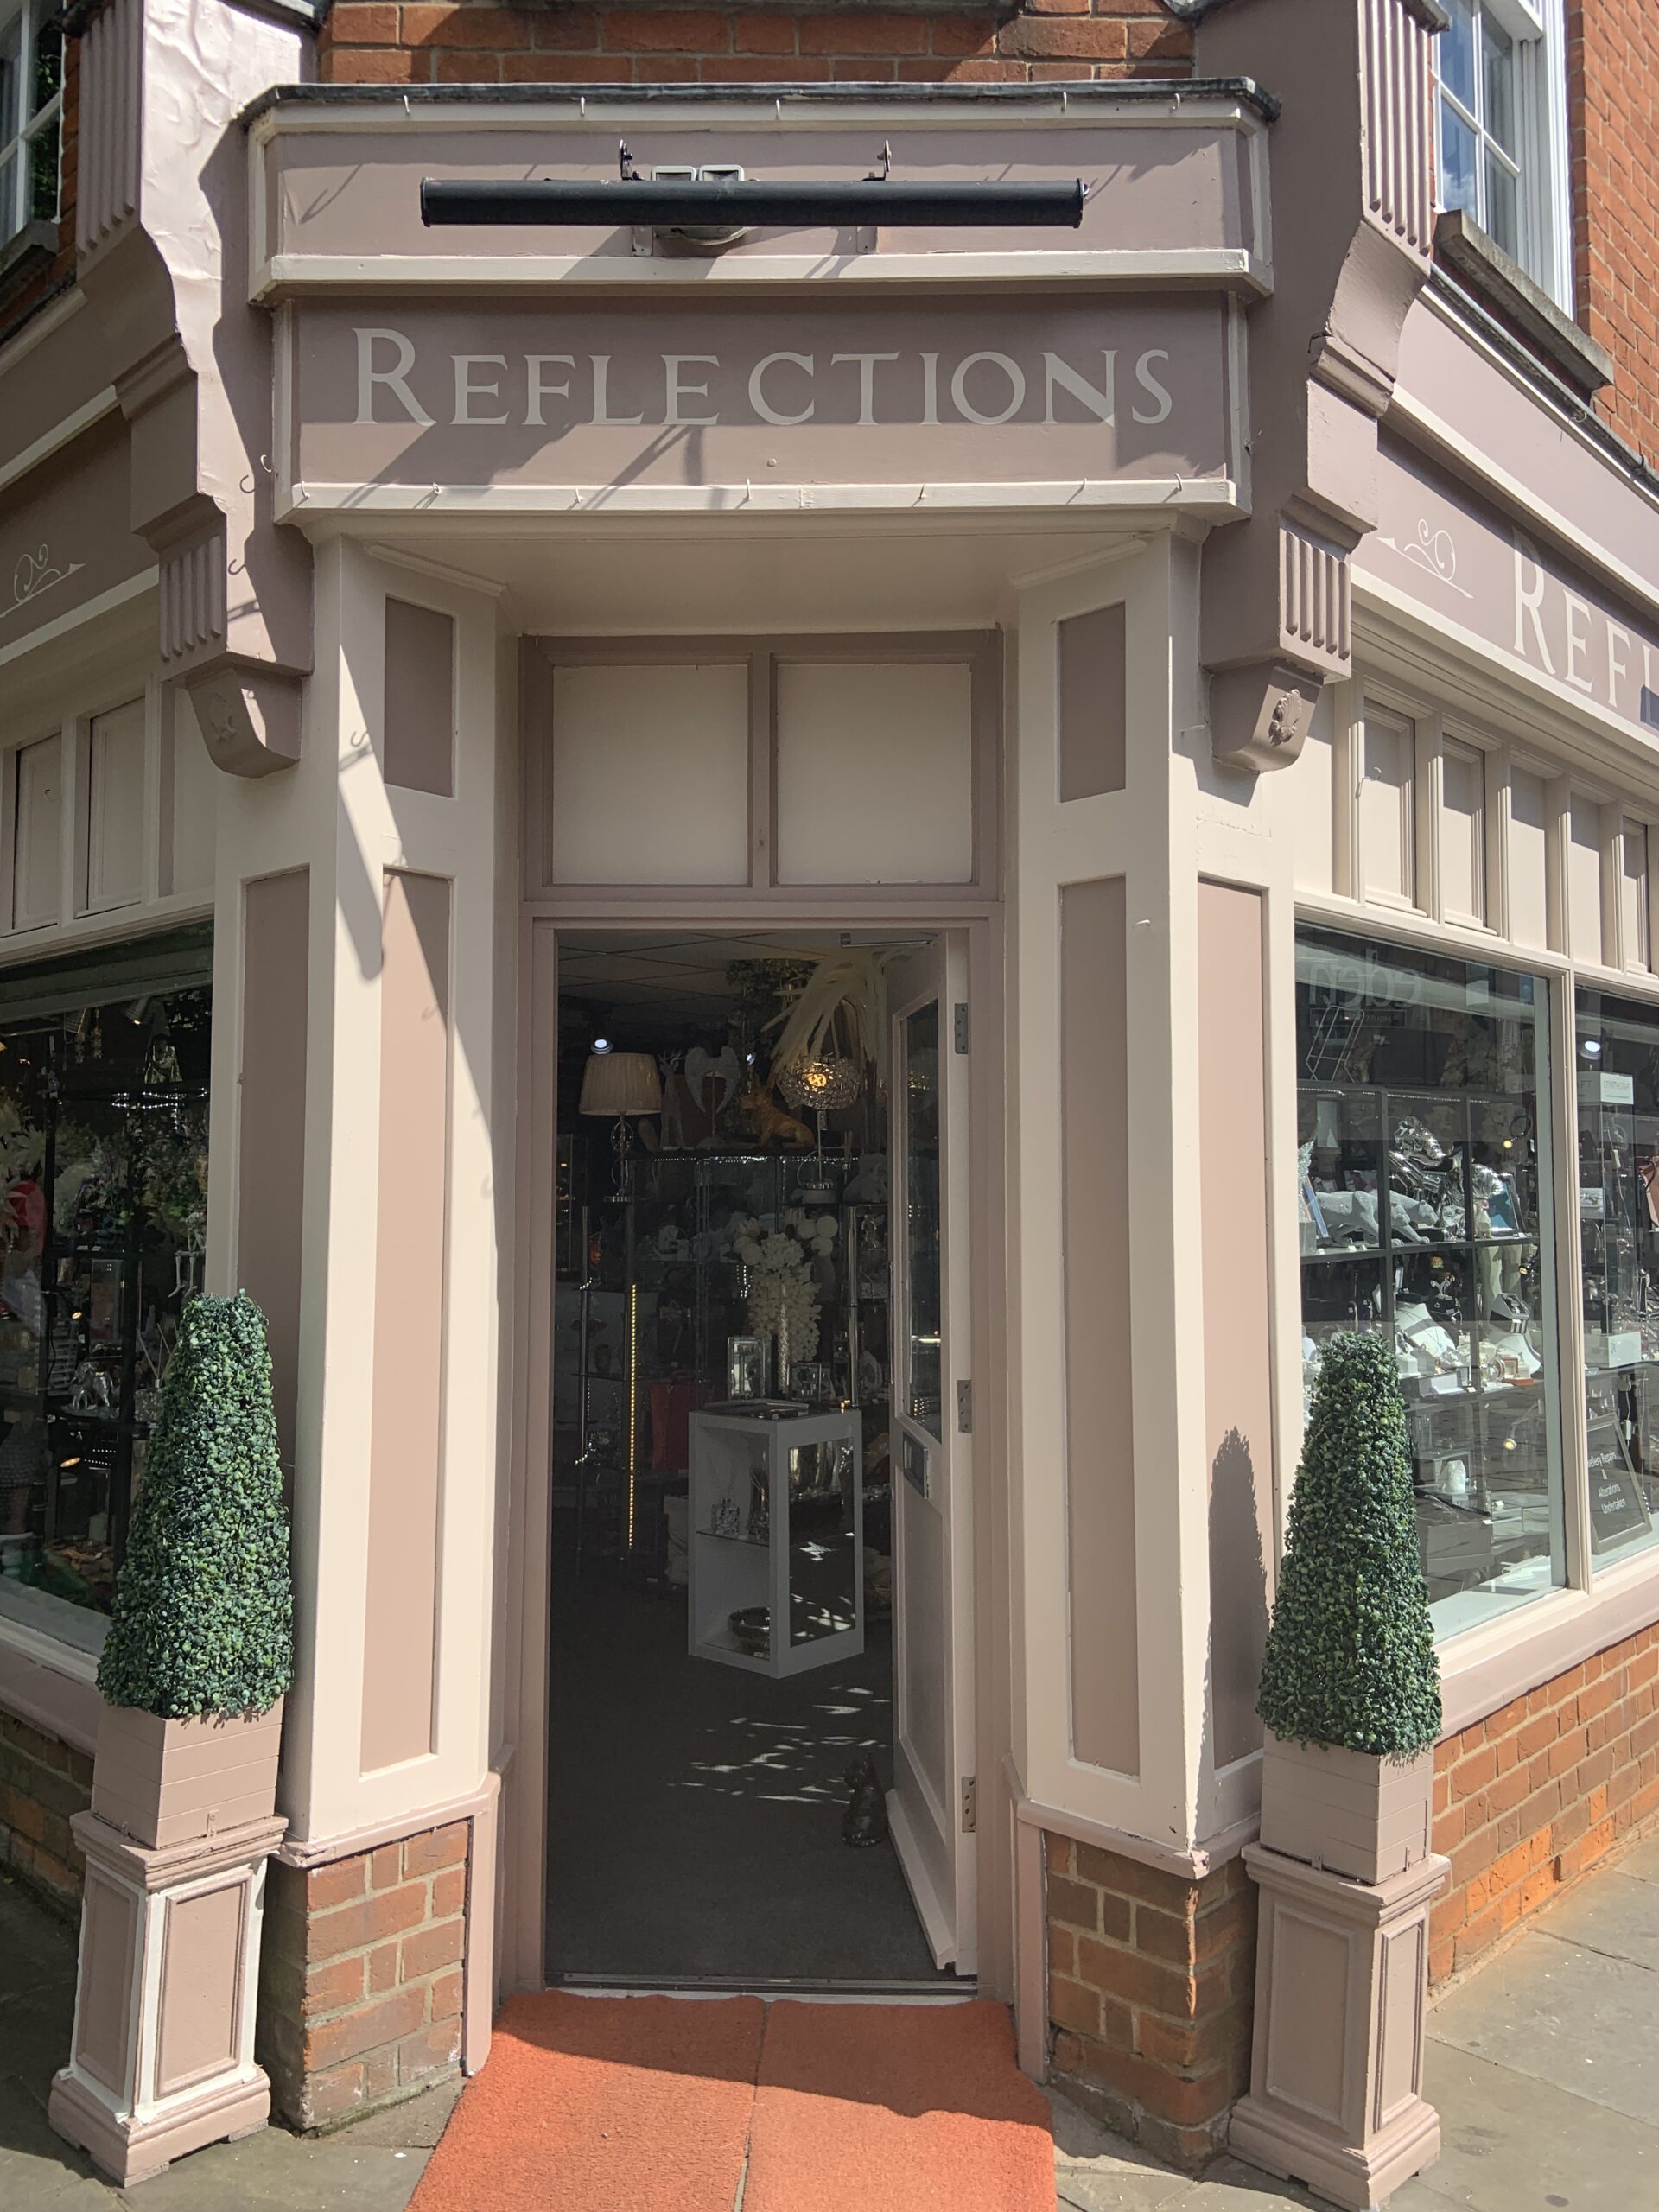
(1337,2064)
(161,2062)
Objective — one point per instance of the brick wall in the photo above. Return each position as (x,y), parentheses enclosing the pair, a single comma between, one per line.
(1527,1799)
(42,1783)
(360,1976)
(1152,1980)
(398,42)
(1613,95)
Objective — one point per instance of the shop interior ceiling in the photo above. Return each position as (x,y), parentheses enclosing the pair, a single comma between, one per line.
(632,983)
(659,578)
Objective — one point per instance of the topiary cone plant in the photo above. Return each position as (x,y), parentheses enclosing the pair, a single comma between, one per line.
(199,1656)
(1350,1690)
(200,1648)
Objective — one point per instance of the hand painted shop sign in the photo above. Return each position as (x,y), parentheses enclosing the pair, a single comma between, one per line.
(521,397)
(1473,570)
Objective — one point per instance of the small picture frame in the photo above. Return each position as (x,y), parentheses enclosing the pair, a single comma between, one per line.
(810,1381)
(746,1367)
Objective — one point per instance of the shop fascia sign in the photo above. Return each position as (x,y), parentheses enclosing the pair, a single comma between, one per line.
(518,400)
(1472,567)
(397,380)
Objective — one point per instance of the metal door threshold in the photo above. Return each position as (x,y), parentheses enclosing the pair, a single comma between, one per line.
(829,1993)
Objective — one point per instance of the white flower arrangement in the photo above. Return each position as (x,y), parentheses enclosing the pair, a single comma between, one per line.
(782,1298)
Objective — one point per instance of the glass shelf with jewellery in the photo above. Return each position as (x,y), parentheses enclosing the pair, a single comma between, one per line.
(1418,1215)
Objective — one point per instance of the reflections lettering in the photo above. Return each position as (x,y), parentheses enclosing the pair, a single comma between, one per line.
(984,388)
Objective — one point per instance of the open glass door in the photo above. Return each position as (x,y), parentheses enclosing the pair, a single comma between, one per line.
(931,1805)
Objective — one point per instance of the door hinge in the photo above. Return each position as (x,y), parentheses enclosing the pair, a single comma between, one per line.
(970,1805)
(960,1027)
(965,1408)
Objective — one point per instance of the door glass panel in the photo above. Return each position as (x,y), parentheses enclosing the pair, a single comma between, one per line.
(922,1307)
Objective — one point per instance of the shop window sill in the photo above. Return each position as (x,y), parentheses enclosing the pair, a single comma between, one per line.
(1503,286)
(76,1631)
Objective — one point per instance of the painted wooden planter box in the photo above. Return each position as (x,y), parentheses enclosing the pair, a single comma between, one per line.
(1348,1812)
(164,1782)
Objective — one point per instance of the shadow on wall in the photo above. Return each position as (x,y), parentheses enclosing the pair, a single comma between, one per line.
(1239,1598)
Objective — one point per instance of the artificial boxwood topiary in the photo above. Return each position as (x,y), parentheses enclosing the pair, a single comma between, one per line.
(1350,1659)
(202,1620)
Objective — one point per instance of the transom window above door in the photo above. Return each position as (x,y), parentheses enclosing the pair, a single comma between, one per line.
(31,113)
(774,765)
(1500,108)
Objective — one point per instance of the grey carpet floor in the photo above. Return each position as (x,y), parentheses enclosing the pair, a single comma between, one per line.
(695,1809)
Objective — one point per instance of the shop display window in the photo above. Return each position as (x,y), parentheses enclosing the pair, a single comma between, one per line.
(1424,1181)
(103,1082)
(1617,1058)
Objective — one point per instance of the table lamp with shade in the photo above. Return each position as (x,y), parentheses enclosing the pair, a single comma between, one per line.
(618,1086)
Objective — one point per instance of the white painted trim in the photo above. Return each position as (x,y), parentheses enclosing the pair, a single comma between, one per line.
(60,434)
(930,1908)
(794,108)
(105,603)
(1217,497)
(48,1651)
(438,571)
(1122,268)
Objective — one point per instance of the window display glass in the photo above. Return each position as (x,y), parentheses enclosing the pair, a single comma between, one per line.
(103,1079)
(1617,1056)
(1423,1189)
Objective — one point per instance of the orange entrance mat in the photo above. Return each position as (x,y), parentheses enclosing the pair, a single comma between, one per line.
(664,2104)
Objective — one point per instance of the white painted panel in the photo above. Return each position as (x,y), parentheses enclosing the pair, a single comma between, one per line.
(115,809)
(38,853)
(1584,879)
(876,772)
(649,779)
(1528,859)
(1463,833)
(1385,807)
(1313,801)
(195,784)
(1634,894)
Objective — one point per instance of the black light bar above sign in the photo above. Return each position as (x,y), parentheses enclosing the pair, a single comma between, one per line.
(672,203)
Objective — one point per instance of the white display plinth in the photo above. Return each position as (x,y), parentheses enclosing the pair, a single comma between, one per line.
(777,1513)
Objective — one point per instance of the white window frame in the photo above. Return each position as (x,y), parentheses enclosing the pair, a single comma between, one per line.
(1543,190)
(18,129)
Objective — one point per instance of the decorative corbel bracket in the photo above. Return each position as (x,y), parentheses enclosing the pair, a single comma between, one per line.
(1353,215)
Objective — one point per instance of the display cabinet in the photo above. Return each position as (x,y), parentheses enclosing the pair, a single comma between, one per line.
(777,1539)
(1419,1214)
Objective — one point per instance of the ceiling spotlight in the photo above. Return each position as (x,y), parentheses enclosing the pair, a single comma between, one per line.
(601,1043)
(1592,1048)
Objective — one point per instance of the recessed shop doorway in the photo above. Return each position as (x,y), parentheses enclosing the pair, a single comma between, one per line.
(760,1586)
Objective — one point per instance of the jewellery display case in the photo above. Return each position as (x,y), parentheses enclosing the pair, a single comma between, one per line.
(1424,1211)
(777,1539)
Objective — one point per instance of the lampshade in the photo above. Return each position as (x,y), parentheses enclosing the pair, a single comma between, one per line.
(621,1083)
